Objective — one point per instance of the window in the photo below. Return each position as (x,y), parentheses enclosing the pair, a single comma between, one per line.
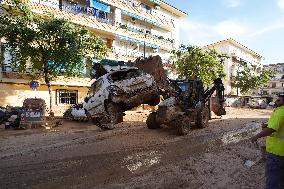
(67,97)
(96,86)
(273,85)
(124,75)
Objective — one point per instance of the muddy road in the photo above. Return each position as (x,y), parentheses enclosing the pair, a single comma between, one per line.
(80,155)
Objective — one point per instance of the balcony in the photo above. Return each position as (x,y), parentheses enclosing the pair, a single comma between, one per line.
(11,73)
(85,10)
(101,25)
(13,76)
(137,12)
(122,57)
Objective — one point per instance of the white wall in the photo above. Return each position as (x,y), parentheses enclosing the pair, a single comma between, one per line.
(230,67)
(50,3)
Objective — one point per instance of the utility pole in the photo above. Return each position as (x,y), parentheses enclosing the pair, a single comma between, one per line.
(145,46)
(143,108)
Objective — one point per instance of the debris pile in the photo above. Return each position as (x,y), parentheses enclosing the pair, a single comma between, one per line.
(10,117)
(76,113)
(153,65)
(33,113)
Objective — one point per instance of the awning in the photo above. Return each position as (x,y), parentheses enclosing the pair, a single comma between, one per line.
(99,6)
(156,2)
(140,18)
(121,37)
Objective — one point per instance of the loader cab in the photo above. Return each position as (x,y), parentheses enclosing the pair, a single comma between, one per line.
(183,85)
(191,92)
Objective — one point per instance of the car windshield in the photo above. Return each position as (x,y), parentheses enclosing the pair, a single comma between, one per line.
(96,86)
(183,85)
(124,75)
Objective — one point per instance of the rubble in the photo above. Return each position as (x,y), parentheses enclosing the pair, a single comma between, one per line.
(31,115)
(10,117)
(153,65)
(76,113)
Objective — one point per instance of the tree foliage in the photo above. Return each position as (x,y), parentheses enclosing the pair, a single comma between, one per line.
(194,62)
(248,77)
(50,46)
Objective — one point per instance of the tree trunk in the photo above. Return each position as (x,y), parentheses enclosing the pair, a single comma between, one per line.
(47,82)
(51,113)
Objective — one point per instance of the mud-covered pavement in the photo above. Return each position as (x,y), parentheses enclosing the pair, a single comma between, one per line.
(79,155)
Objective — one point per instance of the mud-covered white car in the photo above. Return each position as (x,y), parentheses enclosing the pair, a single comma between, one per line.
(257,103)
(119,91)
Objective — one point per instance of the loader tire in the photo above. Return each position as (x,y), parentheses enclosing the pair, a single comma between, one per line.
(183,125)
(151,121)
(202,118)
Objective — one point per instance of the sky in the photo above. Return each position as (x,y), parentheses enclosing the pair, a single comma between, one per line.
(257,24)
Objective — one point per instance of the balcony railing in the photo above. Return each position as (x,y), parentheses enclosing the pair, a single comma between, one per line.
(124,57)
(137,11)
(92,22)
(101,24)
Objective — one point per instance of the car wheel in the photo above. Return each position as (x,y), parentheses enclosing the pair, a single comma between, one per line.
(114,112)
(151,121)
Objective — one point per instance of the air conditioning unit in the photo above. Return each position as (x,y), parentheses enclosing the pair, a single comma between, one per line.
(157,7)
(148,31)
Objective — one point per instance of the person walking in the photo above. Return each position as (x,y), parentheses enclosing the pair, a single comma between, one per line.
(274,169)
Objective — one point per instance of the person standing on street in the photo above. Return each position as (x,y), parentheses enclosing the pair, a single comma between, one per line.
(274,132)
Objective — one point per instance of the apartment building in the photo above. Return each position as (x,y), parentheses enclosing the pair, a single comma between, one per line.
(276,85)
(237,53)
(130,28)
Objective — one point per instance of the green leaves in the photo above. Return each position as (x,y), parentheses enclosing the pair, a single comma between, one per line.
(249,77)
(193,62)
(53,46)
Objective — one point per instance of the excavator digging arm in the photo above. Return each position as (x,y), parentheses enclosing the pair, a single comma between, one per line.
(218,102)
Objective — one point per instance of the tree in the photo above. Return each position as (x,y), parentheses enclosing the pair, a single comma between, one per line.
(54,47)
(248,77)
(193,62)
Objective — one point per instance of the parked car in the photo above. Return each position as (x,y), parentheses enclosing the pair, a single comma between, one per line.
(257,103)
(76,113)
(119,91)
(12,117)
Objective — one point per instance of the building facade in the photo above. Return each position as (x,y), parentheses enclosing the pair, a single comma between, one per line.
(130,28)
(237,53)
(276,85)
